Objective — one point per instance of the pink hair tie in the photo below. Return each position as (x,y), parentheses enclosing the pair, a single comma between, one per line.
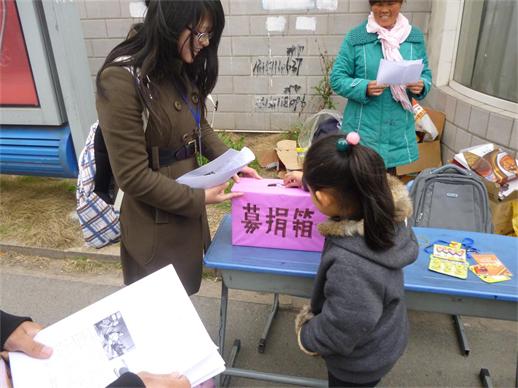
(351,139)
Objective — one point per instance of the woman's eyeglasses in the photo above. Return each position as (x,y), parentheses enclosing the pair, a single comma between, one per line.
(201,37)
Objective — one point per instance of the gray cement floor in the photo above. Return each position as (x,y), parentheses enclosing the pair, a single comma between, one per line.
(432,359)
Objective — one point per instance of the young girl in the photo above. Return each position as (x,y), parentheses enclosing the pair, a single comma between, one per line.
(357,320)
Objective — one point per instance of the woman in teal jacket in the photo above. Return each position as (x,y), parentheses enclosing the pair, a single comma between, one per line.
(384,124)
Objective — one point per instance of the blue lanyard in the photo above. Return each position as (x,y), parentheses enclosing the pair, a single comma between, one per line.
(195,112)
(466,244)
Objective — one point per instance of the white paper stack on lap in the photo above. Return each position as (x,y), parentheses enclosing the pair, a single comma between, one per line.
(219,170)
(150,325)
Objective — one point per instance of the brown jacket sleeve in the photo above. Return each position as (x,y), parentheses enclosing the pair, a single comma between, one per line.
(120,118)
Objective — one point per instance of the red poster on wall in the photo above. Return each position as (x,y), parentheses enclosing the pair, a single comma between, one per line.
(16,81)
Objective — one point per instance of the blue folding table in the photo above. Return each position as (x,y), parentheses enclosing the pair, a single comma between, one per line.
(290,272)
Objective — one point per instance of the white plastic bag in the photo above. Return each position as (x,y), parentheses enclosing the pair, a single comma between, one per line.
(423,122)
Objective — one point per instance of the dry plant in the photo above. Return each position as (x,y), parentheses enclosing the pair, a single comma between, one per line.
(36,211)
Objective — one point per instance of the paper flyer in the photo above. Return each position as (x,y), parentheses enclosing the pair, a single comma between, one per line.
(219,170)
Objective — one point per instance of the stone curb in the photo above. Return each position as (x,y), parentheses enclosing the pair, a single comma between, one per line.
(208,289)
(57,253)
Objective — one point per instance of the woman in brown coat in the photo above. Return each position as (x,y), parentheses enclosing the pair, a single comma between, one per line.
(164,70)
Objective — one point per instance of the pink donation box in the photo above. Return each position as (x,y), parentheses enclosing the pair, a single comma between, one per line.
(273,216)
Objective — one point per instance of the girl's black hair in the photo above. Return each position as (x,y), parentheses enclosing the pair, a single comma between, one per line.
(152,47)
(355,176)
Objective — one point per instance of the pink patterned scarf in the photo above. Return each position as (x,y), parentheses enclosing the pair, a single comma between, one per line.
(390,41)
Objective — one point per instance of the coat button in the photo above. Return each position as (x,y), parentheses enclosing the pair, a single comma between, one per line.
(178,106)
(195,99)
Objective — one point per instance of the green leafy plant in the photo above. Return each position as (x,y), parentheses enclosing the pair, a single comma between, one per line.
(323,89)
(293,132)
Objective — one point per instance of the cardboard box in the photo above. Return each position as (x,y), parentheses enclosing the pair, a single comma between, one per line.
(493,189)
(501,210)
(271,215)
(502,213)
(287,153)
(429,152)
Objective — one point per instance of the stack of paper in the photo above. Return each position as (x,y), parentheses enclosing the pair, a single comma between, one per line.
(399,73)
(150,325)
(219,170)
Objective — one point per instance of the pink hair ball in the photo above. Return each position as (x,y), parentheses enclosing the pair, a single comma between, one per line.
(353,138)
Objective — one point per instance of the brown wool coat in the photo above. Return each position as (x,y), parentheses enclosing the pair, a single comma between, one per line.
(180,234)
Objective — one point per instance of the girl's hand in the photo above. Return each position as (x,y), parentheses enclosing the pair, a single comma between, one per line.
(249,172)
(416,88)
(373,89)
(217,194)
(293,179)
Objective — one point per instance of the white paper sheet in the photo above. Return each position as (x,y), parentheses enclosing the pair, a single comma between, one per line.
(150,325)
(399,73)
(219,170)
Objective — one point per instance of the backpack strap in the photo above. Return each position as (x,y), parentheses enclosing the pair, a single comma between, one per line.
(145,120)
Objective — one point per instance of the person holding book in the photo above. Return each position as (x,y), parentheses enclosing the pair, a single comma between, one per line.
(17,335)
(357,320)
(151,93)
(382,115)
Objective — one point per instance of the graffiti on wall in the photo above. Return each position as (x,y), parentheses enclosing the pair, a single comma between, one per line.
(289,65)
(289,101)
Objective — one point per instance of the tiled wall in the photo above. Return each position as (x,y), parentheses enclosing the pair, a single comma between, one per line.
(470,122)
(252,96)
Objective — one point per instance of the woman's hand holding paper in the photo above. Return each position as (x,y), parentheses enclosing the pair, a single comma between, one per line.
(416,88)
(375,89)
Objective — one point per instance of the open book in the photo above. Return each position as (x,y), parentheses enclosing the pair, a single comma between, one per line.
(150,325)
(219,170)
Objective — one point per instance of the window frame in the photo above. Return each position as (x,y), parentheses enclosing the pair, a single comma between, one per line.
(487,99)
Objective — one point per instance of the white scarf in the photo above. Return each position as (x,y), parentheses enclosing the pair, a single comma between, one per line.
(390,41)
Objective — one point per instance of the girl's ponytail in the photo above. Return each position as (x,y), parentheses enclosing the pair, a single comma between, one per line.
(357,176)
(370,178)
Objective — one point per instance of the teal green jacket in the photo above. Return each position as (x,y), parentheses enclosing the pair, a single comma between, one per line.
(381,121)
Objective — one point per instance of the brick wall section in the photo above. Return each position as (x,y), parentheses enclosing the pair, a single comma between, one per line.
(470,122)
(259,100)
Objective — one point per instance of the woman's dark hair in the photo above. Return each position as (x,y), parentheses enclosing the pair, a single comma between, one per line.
(357,175)
(372,2)
(152,47)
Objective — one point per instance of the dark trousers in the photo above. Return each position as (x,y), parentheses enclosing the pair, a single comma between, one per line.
(336,382)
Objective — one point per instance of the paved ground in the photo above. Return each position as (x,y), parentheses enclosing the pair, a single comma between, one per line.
(433,357)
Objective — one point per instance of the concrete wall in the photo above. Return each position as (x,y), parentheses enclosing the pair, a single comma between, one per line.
(253,93)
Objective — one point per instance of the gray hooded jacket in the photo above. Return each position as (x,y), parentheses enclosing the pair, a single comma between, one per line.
(358,321)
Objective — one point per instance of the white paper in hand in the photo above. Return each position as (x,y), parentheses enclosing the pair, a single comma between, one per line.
(399,73)
(150,325)
(219,170)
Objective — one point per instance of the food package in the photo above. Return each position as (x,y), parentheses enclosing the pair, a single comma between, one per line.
(423,123)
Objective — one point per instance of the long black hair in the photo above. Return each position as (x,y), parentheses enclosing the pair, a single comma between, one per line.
(356,176)
(152,47)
